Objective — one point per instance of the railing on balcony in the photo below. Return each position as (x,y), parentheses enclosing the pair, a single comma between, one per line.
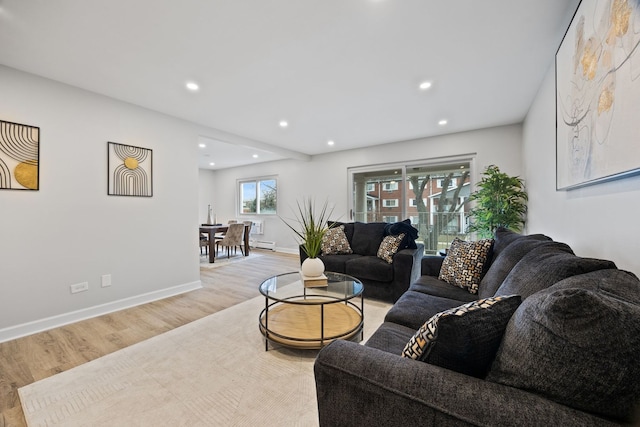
(436,230)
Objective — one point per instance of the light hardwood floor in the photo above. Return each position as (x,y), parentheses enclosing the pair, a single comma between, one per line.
(29,359)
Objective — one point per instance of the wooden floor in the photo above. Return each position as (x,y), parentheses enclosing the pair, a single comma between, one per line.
(29,359)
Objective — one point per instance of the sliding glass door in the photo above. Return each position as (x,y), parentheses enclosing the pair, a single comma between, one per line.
(431,193)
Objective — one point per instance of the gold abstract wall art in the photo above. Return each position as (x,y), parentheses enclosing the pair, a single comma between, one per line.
(598,94)
(130,170)
(19,156)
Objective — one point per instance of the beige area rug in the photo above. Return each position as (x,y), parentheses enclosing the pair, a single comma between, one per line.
(222,260)
(211,372)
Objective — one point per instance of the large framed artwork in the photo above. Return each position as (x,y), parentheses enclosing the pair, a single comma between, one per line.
(130,170)
(598,95)
(19,156)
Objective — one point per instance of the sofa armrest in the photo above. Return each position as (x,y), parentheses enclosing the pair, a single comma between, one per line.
(406,269)
(362,386)
(431,265)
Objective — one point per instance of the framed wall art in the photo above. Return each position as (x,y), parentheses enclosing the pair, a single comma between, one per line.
(598,95)
(130,170)
(19,156)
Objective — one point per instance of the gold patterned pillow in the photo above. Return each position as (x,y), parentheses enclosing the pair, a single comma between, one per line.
(464,263)
(334,242)
(389,247)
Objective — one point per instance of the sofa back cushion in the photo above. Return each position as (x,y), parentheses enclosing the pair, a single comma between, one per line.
(577,343)
(367,237)
(545,265)
(508,250)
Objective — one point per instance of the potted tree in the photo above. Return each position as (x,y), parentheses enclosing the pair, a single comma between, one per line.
(501,201)
(310,227)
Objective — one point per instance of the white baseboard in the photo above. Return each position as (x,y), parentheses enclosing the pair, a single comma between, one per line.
(29,328)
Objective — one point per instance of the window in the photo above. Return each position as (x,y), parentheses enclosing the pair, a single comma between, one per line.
(258,197)
(398,187)
(390,186)
(413,203)
(452,183)
(371,187)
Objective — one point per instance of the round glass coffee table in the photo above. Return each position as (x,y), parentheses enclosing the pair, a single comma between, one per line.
(311,317)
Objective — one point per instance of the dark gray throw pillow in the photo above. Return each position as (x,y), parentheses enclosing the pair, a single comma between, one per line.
(577,343)
(466,338)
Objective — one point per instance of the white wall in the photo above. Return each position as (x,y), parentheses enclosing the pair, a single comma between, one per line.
(325,176)
(599,221)
(206,194)
(70,231)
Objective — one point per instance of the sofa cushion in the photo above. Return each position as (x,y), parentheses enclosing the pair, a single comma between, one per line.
(577,343)
(465,338)
(390,337)
(369,267)
(546,264)
(389,247)
(337,263)
(504,237)
(367,237)
(506,259)
(334,242)
(414,308)
(433,286)
(464,264)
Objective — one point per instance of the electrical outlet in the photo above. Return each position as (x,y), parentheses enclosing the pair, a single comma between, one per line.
(106,280)
(79,287)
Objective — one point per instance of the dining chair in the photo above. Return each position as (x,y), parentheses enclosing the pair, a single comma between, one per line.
(247,230)
(232,239)
(204,243)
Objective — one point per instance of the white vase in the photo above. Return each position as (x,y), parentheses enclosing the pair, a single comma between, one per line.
(312,267)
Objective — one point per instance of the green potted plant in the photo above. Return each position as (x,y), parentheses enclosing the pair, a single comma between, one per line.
(310,226)
(501,201)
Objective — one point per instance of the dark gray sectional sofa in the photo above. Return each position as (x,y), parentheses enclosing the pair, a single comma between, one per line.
(381,280)
(569,355)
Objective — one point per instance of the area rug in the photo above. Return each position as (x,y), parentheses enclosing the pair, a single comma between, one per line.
(211,372)
(222,260)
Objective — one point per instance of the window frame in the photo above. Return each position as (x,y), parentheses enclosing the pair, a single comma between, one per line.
(257,182)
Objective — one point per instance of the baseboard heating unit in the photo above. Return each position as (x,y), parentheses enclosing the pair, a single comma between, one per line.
(262,244)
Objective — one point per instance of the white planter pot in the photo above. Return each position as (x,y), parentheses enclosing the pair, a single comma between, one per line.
(312,267)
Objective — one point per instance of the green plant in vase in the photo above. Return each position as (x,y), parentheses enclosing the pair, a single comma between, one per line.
(310,226)
(501,201)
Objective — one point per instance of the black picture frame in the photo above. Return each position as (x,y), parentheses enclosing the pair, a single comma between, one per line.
(19,156)
(130,170)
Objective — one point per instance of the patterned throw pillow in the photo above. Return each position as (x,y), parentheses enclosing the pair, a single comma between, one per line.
(464,263)
(334,242)
(466,338)
(389,247)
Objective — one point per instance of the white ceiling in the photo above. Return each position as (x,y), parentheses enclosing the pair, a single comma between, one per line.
(341,70)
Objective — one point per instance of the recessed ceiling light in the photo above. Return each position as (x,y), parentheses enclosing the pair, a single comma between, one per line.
(425,85)
(202,145)
(283,123)
(442,122)
(255,156)
(212,164)
(330,142)
(192,86)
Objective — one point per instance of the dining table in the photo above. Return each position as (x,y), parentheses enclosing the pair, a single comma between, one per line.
(211,230)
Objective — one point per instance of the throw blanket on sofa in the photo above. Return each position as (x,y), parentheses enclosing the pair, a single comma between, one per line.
(410,233)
